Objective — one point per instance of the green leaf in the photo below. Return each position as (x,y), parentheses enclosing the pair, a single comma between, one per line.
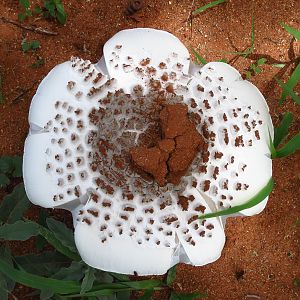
(18,231)
(104,277)
(199,59)
(257,70)
(32,45)
(39,62)
(14,205)
(40,242)
(4,181)
(57,244)
(124,295)
(173,296)
(38,282)
(259,197)
(261,61)
(21,206)
(21,16)
(290,147)
(88,280)
(5,254)
(25,3)
(248,75)
(3,288)
(100,292)
(62,18)
(37,10)
(147,295)
(209,5)
(293,31)
(44,264)
(11,165)
(143,284)
(73,272)
(62,233)
(25,45)
(296,282)
(280,66)
(107,289)
(171,275)
(35,44)
(282,130)
(119,277)
(17,162)
(286,88)
(291,83)
(50,6)
(61,14)
(46,294)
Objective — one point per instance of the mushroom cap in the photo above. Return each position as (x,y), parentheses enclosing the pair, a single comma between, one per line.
(150,232)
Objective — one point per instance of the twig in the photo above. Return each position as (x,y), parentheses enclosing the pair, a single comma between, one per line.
(21,94)
(252,296)
(190,19)
(29,27)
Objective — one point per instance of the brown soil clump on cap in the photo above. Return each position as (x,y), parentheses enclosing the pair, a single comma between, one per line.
(169,160)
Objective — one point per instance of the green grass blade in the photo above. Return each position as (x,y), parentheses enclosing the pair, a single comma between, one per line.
(271,147)
(207,6)
(290,147)
(289,91)
(291,83)
(259,197)
(102,292)
(199,59)
(282,130)
(38,282)
(143,284)
(106,289)
(19,231)
(293,31)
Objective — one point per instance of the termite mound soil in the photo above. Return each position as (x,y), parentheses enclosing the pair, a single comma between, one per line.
(173,153)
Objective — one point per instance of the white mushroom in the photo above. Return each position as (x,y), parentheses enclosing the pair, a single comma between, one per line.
(85,118)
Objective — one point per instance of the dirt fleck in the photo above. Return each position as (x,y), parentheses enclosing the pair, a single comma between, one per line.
(170,158)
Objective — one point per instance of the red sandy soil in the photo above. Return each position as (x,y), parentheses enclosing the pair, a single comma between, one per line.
(261,256)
